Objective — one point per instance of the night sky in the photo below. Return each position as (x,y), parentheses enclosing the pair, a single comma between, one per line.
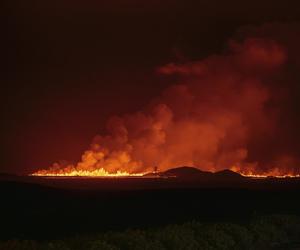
(69,65)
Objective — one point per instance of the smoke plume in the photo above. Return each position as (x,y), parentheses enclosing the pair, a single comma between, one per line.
(224,111)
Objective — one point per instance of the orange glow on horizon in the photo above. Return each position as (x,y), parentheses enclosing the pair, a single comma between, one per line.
(86,173)
(101,172)
(275,173)
(268,176)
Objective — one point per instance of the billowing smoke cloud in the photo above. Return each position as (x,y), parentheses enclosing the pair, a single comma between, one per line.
(223,112)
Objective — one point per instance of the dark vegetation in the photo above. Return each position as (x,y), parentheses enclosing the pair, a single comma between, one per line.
(269,232)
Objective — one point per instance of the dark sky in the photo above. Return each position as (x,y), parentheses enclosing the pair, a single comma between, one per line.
(68,65)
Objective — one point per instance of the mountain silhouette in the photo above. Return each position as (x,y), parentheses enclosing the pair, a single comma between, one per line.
(186,172)
(228,174)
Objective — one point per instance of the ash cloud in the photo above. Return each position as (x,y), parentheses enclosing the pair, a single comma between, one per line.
(225,111)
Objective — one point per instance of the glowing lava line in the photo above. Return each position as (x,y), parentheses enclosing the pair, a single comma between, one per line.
(269,176)
(101,172)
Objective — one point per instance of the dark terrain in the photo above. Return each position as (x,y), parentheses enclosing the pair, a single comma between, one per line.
(49,208)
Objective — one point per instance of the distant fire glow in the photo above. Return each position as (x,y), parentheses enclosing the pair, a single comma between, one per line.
(272,173)
(218,113)
(85,173)
(101,172)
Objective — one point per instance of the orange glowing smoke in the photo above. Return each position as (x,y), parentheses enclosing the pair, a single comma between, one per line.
(92,165)
(208,120)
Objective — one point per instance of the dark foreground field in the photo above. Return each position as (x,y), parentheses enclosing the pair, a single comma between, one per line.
(160,213)
(262,233)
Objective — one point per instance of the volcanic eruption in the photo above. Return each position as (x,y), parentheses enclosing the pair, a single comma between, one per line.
(222,112)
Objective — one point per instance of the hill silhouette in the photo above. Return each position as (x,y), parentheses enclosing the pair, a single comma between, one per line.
(186,172)
(228,174)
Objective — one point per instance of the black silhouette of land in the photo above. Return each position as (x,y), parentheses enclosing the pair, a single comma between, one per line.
(49,208)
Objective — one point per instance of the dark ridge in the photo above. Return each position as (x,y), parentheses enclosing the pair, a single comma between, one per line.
(186,172)
(228,174)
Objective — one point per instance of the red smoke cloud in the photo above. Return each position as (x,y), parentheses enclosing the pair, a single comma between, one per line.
(210,119)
